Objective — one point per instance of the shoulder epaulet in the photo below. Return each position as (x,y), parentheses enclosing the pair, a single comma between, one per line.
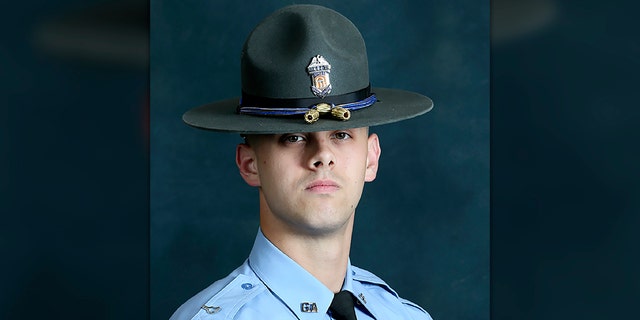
(416,306)
(380,293)
(362,275)
(225,303)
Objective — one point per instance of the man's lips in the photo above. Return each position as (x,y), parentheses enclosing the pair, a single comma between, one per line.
(322,186)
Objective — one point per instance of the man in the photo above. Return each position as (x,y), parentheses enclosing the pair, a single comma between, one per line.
(305,110)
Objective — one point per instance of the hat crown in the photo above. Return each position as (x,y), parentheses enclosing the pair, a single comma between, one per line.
(278,51)
(304,69)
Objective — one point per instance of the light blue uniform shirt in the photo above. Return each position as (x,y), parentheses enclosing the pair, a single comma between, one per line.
(269,285)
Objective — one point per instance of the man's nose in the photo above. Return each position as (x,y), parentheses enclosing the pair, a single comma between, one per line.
(322,154)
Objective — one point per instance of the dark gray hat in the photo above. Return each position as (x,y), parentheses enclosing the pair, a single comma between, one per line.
(304,68)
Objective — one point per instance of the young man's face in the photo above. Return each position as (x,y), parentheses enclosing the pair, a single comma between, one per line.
(310,183)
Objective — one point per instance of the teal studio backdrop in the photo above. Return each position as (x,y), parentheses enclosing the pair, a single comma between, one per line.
(422,225)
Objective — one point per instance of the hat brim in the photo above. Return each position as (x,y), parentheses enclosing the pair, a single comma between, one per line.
(393,105)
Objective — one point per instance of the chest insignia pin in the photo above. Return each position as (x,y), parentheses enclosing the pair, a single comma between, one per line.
(308,307)
(211,310)
(362,297)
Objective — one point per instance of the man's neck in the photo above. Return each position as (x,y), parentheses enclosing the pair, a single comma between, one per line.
(323,256)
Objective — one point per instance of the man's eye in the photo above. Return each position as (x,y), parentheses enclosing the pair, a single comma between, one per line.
(292,139)
(342,135)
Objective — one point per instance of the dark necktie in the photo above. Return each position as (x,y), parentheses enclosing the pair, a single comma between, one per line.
(342,306)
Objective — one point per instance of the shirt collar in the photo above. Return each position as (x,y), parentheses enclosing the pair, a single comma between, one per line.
(291,283)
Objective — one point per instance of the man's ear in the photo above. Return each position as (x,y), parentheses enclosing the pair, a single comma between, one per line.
(247,164)
(373,157)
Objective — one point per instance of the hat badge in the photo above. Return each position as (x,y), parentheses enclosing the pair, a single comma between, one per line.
(319,69)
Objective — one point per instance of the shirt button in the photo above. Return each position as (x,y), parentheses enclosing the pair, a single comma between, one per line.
(247,286)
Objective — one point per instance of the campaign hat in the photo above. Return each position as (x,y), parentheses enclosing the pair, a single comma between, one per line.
(304,68)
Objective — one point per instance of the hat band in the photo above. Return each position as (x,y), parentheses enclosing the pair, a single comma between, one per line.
(339,106)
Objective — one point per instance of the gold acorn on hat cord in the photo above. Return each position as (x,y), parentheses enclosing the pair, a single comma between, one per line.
(314,113)
(311,116)
(341,113)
